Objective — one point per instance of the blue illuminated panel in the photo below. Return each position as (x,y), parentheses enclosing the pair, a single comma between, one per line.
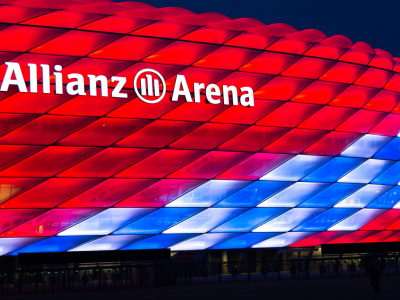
(209,193)
(250,219)
(367,146)
(253,194)
(390,151)
(159,220)
(388,199)
(390,176)
(160,241)
(326,219)
(289,220)
(360,218)
(364,196)
(107,221)
(206,220)
(204,241)
(331,195)
(367,171)
(110,242)
(334,169)
(283,240)
(296,168)
(245,240)
(294,194)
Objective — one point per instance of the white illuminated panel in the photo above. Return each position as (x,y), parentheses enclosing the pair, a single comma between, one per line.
(204,241)
(366,171)
(364,196)
(367,146)
(283,240)
(356,221)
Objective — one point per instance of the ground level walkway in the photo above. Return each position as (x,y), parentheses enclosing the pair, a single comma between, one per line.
(329,289)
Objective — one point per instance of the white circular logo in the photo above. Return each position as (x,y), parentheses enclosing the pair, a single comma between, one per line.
(149,86)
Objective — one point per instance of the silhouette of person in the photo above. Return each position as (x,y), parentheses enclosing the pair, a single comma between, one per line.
(375,276)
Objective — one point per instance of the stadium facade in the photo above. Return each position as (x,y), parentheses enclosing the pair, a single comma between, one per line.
(124,126)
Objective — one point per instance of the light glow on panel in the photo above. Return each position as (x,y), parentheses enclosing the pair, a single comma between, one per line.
(245,241)
(296,168)
(159,220)
(331,195)
(294,194)
(333,169)
(109,243)
(206,220)
(367,171)
(208,194)
(289,220)
(160,241)
(250,220)
(390,150)
(359,219)
(283,240)
(366,146)
(253,194)
(8,245)
(390,176)
(204,241)
(107,221)
(364,196)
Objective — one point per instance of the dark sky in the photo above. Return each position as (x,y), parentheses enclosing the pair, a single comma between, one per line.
(376,22)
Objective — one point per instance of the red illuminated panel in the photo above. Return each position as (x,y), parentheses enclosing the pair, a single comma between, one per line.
(7,56)
(378,237)
(91,105)
(308,67)
(281,88)
(253,139)
(327,118)
(210,165)
(160,193)
(255,166)
(108,8)
(208,136)
(393,84)
(107,162)
(389,126)
(383,101)
(290,46)
(320,238)
(244,115)
(103,132)
(160,164)
(270,63)
(9,122)
(362,121)
(357,57)
(66,43)
(64,19)
(251,40)
(180,53)
(12,90)
(23,38)
(319,92)
(10,187)
(165,30)
(325,51)
(374,78)
(210,35)
(108,193)
(227,58)
(344,73)
(354,96)
(51,222)
(187,111)
(45,130)
(50,193)
(353,237)
(333,143)
(116,24)
(241,79)
(394,238)
(158,134)
(130,48)
(49,161)
(38,103)
(289,114)
(383,221)
(295,141)
(17,14)
(10,154)
(10,218)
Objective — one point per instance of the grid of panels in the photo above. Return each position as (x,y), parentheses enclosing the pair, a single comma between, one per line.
(315,161)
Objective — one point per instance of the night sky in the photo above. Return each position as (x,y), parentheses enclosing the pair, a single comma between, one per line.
(376,22)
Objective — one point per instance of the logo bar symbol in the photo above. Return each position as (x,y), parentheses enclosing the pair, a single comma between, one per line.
(150,87)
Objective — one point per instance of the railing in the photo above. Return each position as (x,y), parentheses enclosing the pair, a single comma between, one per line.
(90,277)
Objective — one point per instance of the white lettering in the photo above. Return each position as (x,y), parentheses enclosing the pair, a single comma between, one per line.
(233,90)
(249,96)
(103,84)
(13,68)
(213,90)
(76,87)
(181,82)
(116,93)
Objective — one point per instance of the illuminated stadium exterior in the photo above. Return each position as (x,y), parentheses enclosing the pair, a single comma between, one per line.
(124,126)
